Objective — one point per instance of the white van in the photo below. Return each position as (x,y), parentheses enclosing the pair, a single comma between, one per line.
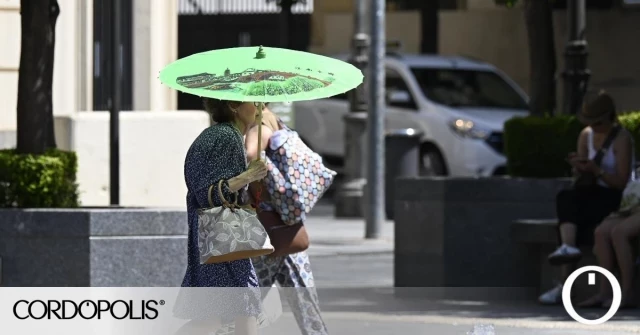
(459,104)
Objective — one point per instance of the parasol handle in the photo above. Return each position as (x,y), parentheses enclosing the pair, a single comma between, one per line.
(259,120)
(258,194)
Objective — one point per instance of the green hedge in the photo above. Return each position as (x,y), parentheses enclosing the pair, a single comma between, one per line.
(37,181)
(536,147)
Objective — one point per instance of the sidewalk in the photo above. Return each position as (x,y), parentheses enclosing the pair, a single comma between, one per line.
(330,236)
(354,279)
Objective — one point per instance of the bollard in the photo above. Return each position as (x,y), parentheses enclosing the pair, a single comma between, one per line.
(402,159)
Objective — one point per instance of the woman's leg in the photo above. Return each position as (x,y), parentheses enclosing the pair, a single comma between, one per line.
(567,203)
(297,280)
(568,232)
(603,250)
(554,295)
(623,235)
(199,327)
(246,326)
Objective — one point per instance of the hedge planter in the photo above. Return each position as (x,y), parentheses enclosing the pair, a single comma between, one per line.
(455,232)
(536,147)
(38,181)
(93,247)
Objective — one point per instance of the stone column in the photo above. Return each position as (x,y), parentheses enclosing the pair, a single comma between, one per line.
(155,44)
(9,64)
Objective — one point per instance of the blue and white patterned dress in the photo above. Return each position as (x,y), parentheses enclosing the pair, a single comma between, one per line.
(217,154)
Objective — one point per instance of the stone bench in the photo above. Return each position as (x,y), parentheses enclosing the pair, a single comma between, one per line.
(104,247)
(453,235)
(541,236)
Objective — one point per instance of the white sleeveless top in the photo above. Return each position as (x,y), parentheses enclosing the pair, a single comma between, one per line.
(608,163)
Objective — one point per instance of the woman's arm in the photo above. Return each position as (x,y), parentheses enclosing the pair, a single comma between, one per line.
(582,153)
(251,141)
(623,150)
(218,164)
(583,148)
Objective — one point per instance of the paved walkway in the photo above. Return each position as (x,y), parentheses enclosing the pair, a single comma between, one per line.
(355,283)
(331,236)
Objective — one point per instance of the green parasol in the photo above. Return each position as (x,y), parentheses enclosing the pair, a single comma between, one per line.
(251,74)
(261,74)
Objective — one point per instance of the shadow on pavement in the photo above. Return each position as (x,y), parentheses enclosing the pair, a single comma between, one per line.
(383,301)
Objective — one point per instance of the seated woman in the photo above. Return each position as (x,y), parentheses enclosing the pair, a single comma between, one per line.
(581,208)
(615,241)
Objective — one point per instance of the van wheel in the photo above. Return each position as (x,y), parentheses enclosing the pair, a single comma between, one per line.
(431,162)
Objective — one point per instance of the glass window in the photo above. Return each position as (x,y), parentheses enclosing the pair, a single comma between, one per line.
(397,91)
(468,88)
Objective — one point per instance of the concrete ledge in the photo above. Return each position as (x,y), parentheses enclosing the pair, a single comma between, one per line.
(455,232)
(535,231)
(93,247)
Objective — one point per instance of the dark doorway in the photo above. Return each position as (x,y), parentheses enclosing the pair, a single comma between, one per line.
(202,32)
(102,53)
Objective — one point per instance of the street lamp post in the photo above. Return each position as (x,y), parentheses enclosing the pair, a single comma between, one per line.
(116,104)
(375,207)
(349,196)
(576,75)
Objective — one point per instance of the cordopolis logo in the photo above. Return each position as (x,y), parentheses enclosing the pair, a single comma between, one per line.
(86,309)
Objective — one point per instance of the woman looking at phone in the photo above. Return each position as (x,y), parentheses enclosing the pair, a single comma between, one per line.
(603,166)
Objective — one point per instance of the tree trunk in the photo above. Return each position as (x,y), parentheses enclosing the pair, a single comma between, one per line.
(35,79)
(286,18)
(542,56)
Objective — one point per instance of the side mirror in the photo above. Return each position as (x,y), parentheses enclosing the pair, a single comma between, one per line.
(398,97)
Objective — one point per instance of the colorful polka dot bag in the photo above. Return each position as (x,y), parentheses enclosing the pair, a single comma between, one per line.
(297,178)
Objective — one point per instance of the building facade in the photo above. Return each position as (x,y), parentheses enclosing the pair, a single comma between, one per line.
(154,135)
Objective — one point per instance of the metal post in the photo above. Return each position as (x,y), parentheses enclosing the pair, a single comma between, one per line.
(349,196)
(375,208)
(576,75)
(116,103)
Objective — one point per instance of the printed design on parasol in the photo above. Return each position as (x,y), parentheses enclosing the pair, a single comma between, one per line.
(252,82)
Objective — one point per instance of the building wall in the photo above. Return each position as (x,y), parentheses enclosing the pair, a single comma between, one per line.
(73,59)
(9,64)
(499,36)
(155,44)
(493,33)
(401,26)
(73,67)
(153,141)
(153,145)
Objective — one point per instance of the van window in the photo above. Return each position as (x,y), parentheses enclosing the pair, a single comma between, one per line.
(397,91)
(468,88)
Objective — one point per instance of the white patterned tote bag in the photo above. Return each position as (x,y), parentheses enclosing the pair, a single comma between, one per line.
(230,232)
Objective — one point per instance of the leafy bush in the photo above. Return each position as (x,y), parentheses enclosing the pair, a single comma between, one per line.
(536,147)
(631,121)
(36,181)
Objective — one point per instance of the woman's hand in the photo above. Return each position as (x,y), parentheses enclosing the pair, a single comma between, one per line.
(574,159)
(257,170)
(588,166)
